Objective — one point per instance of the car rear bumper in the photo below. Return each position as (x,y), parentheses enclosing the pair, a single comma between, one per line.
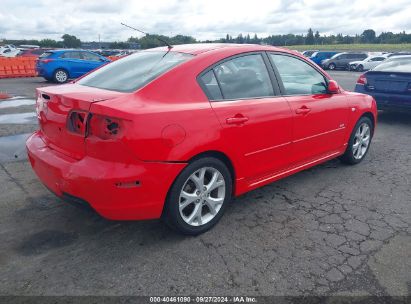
(116,191)
(387,100)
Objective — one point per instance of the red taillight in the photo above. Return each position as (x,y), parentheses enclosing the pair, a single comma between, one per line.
(46,60)
(105,127)
(362,80)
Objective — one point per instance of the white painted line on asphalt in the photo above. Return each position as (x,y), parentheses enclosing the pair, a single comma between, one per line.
(13,103)
(19,118)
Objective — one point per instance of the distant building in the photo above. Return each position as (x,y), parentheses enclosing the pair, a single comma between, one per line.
(94,45)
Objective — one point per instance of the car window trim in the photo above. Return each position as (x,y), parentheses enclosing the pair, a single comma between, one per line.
(280,81)
(275,87)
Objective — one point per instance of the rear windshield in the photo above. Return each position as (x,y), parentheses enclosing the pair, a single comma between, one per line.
(400,65)
(134,71)
(45,54)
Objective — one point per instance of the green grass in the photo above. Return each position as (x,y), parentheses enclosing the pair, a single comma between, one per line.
(354,47)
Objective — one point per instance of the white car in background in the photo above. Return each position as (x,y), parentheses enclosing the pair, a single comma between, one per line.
(9,50)
(368,63)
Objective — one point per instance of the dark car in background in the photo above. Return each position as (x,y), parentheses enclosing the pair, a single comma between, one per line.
(318,57)
(389,83)
(342,60)
(62,65)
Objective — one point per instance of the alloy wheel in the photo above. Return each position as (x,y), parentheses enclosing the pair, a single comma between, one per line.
(202,196)
(61,76)
(361,141)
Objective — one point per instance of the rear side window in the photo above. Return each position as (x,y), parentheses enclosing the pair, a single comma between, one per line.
(360,56)
(133,72)
(244,77)
(71,55)
(211,86)
(298,77)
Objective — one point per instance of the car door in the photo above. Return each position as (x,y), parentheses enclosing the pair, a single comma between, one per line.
(341,61)
(320,118)
(91,61)
(72,62)
(254,119)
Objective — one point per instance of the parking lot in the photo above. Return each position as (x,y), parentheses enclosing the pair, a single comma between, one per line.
(330,230)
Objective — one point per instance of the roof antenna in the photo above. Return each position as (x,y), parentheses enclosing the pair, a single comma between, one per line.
(155,36)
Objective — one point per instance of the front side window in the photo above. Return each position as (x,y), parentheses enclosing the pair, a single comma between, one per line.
(377,59)
(90,56)
(244,77)
(298,77)
(133,72)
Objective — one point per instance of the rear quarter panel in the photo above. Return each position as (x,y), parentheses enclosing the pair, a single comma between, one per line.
(359,105)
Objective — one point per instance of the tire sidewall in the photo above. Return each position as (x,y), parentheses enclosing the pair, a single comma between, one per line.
(360,68)
(349,157)
(331,66)
(171,211)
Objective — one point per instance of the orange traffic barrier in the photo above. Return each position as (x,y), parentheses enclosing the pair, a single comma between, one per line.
(17,67)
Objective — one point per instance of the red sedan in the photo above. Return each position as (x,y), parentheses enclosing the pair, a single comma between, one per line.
(175,133)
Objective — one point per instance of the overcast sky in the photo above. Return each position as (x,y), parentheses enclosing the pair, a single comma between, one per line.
(203,19)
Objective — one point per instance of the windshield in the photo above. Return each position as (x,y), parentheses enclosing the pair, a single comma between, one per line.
(134,71)
(400,65)
(335,56)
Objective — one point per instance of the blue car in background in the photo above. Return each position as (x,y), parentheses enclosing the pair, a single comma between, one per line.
(389,83)
(62,65)
(317,57)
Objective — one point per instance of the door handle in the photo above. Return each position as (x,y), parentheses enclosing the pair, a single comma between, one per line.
(236,120)
(303,110)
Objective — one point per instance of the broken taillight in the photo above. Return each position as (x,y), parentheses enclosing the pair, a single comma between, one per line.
(77,122)
(105,127)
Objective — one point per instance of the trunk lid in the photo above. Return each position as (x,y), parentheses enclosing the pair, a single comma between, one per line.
(389,82)
(55,110)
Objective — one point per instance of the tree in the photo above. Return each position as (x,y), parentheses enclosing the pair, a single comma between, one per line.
(50,43)
(317,37)
(70,41)
(310,37)
(368,36)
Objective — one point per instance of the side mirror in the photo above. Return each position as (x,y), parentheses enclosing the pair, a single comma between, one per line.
(333,87)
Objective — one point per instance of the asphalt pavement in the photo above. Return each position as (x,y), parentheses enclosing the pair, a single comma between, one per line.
(330,230)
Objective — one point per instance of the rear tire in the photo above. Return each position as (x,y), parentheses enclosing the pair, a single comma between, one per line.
(198,197)
(60,76)
(359,143)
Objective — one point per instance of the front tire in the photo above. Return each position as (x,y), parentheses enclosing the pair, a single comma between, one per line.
(360,68)
(331,66)
(60,76)
(198,197)
(359,143)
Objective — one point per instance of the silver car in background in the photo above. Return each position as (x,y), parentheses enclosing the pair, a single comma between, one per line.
(368,63)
